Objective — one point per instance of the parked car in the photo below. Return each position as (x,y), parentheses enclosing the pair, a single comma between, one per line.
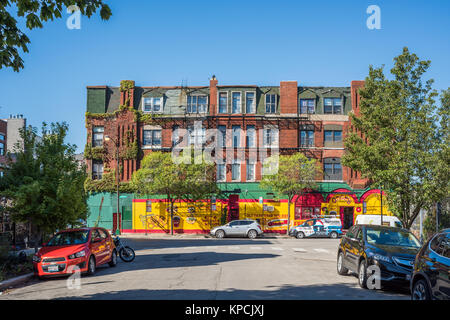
(393,250)
(376,219)
(326,227)
(85,248)
(431,275)
(238,228)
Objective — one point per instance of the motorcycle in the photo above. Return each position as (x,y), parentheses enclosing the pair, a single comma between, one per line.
(125,252)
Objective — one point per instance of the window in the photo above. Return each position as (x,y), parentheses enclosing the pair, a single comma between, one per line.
(250,170)
(235,171)
(97,170)
(271,103)
(196,136)
(332,169)
(236,102)
(2,136)
(270,137)
(223,102)
(152,105)
(236,136)
(250,102)
(97,136)
(2,149)
(307,106)
(175,136)
(152,138)
(197,104)
(251,137)
(333,136)
(221,172)
(307,138)
(332,105)
(222,136)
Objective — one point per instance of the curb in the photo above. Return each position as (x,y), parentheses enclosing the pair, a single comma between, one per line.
(14,281)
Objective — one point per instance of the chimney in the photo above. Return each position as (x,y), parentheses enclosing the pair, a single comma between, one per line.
(288,97)
(213,95)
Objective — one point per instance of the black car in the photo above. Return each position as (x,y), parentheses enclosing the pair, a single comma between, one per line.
(388,251)
(431,276)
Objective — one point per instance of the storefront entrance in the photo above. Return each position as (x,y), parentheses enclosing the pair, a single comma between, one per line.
(233,207)
(347,216)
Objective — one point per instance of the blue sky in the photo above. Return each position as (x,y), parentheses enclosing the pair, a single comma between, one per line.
(241,42)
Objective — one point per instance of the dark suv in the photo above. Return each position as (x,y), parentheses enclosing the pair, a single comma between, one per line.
(431,276)
(392,250)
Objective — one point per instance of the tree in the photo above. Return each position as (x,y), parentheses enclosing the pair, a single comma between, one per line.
(159,174)
(44,183)
(296,175)
(396,141)
(35,12)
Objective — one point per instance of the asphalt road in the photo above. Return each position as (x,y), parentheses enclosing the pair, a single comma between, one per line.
(200,268)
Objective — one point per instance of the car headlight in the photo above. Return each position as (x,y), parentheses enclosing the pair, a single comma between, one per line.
(77,255)
(36,258)
(380,257)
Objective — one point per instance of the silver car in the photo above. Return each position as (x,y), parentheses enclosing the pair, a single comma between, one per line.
(238,228)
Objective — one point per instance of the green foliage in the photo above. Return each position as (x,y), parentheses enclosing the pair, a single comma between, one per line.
(126,85)
(404,153)
(159,174)
(94,153)
(107,184)
(44,184)
(131,151)
(35,12)
(295,175)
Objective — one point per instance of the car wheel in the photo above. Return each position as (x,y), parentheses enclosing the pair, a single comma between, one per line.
(362,274)
(220,234)
(113,261)
(252,234)
(300,235)
(421,291)
(341,270)
(91,266)
(333,235)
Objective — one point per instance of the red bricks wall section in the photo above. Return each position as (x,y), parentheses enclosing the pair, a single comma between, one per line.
(288,97)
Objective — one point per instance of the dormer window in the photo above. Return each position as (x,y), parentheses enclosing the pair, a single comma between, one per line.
(197,104)
(152,104)
(332,105)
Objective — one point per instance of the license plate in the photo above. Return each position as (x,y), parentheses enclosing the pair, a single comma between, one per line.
(53,268)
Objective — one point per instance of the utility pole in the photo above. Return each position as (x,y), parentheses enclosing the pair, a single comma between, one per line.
(381,202)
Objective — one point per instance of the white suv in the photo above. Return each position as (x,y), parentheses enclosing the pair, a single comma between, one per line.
(238,228)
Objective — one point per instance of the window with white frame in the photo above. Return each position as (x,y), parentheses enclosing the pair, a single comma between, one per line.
(250,168)
(196,136)
(308,106)
(271,103)
(223,102)
(221,172)
(97,136)
(236,136)
(250,102)
(151,138)
(97,170)
(236,102)
(152,104)
(221,136)
(235,171)
(251,137)
(332,105)
(197,103)
(270,137)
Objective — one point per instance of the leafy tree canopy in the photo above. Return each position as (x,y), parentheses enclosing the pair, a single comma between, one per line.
(36,12)
(399,139)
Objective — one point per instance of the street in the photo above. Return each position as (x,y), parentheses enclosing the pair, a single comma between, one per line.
(204,268)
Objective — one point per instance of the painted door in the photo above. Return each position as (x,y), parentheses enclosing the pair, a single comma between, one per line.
(233,207)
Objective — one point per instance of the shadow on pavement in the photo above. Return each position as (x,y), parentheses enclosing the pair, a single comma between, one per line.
(339,291)
(154,243)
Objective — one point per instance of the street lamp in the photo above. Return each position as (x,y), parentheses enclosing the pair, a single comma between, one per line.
(116,142)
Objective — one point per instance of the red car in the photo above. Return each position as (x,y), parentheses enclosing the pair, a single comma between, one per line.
(75,250)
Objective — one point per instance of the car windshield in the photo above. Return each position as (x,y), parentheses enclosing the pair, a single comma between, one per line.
(69,238)
(391,238)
